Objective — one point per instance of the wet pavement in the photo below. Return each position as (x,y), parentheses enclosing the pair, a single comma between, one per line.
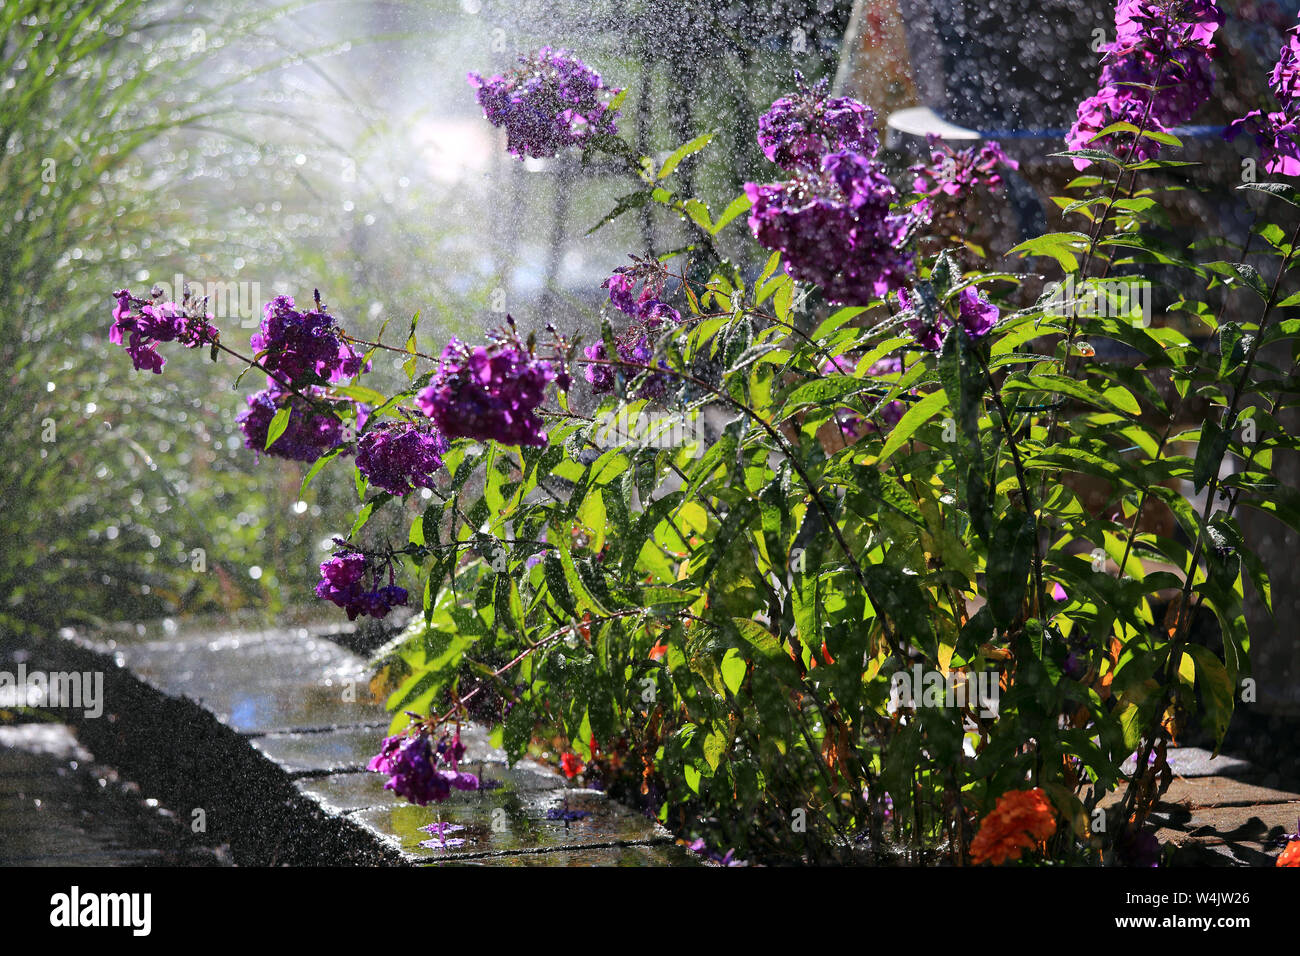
(293,726)
(59,808)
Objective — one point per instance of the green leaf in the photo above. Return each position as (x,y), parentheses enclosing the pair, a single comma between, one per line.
(1283,191)
(278,424)
(631,201)
(1215,688)
(915,417)
(681,152)
(737,206)
(733,669)
(1064,247)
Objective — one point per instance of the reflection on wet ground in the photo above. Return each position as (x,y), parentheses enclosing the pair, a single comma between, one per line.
(59,808)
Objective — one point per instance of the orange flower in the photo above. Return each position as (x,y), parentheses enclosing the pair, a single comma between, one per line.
(1291,855)
(658,651)
(1020,820)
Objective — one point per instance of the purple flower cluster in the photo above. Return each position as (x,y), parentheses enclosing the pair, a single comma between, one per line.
(343,581)
(958,173)
(1155,75)
(308,434)
(648,308)
(835,227)
(649,315)
(303,348)
(488,393)
(1277,133)
(140,324)
(800,129)
(550,102)
(400,456)
(634,348)
(416,767)
(975,313)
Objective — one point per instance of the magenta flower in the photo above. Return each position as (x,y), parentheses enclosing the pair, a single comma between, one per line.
(343,582)
(140,324)
(976,313)
(309,434)
(488,393)
(1165,44)
(303,348)
(1277,133)
(549,102)
(835,228)
(413,765)
(401,456)
(799,130)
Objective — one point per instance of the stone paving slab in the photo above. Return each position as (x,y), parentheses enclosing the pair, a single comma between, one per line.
(510,822)
(332,751)
(1198,762)
(298,705)
(261,683)
(341,792)
(668,854)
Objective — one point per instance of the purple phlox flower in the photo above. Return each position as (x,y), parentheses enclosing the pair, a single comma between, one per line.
(549,102)
(960,172)
(798,130)
(343,582)
(310,432)
(1155,75)
(488,393)
(835,227)
(976,313)
(140,324)
(401,456)
(1277,132)
(413,765)
(634,348)
(303,348)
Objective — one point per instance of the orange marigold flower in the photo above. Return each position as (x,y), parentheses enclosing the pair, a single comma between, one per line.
(1291,855)
(1021,820)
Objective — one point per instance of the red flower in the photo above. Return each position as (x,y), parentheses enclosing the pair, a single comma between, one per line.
(658,651)
(571,765)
